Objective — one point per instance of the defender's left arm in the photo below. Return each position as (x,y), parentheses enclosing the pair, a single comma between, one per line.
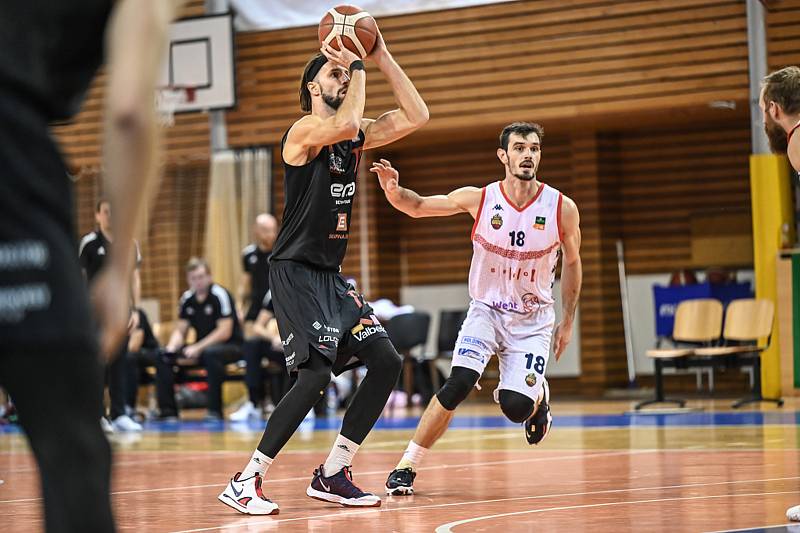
(412,112)
(571,274)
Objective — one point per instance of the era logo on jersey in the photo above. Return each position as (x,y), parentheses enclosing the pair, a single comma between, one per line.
(343,192)
(538,223)
(497,221)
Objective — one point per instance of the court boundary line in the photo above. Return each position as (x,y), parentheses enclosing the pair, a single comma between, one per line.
(472,502)
(448,527)
(786,524)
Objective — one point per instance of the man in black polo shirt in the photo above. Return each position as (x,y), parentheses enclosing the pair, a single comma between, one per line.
(209,309)
(92,252)
(254,282)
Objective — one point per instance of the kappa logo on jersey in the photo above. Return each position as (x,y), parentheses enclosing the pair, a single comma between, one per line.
(498,207)
(497,221)
(336,164)
(538,223)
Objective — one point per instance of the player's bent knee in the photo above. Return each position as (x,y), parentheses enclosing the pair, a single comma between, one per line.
(383,358)
(517,407)
(457,387)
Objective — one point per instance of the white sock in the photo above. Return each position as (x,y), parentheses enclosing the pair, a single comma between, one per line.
(341,455)
(259,463)
(412,456)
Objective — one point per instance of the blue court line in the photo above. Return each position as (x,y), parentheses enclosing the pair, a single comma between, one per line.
(749,418)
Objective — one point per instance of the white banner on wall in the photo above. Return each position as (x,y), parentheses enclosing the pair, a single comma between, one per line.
(253,15)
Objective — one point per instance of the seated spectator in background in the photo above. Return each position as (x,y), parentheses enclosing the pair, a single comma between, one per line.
(264,342)
(209,309)
(143,349)
(254,283)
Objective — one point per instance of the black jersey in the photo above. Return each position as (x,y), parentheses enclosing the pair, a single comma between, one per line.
(150,342)
(203,316)
(319,200)
(49,53)
(94,249)
(255,262)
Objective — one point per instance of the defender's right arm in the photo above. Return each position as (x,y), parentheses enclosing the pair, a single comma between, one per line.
(463,200)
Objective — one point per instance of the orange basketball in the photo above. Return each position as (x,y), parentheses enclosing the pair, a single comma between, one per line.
(357,28)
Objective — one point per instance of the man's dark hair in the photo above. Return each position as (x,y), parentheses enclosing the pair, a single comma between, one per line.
(309,73)
(520,128)
(100,203)
(783,88)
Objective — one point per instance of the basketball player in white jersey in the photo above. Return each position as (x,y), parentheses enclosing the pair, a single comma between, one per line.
(521,227)
(780,102)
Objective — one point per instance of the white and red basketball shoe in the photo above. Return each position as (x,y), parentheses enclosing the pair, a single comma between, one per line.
(244,495)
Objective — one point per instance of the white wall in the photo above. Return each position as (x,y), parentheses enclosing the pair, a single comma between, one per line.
(434,298)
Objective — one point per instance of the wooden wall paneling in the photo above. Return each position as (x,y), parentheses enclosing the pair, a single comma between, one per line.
(595,183)
(589,58)
(783,33)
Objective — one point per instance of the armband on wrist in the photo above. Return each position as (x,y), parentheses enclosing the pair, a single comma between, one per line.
(357,65)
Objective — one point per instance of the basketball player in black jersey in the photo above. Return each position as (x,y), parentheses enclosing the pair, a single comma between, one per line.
(780,102)
(49,361)
(323,321)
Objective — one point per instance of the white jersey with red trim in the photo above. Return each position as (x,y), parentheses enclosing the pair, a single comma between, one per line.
(515,250)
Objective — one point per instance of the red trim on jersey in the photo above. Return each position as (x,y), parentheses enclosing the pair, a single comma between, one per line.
(478,215)
(558,218)
(514,254)
(524,207)
(791,132)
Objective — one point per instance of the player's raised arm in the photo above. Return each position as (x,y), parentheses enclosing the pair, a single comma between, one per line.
(412,112)
(463,200)
(343,72)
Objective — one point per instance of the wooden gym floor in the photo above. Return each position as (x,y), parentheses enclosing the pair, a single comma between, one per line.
(599,471)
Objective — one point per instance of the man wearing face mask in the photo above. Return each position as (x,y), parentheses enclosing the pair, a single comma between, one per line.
(780,102)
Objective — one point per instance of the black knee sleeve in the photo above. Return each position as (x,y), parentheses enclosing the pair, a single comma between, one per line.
(457,387)
(517,407)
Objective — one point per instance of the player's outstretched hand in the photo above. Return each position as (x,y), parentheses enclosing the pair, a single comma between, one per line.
(342,56)
(561,337)
(388,177)
(112,309)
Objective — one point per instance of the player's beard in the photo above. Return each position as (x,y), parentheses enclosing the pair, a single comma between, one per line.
(778,142)
(526,177)
(333,101)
